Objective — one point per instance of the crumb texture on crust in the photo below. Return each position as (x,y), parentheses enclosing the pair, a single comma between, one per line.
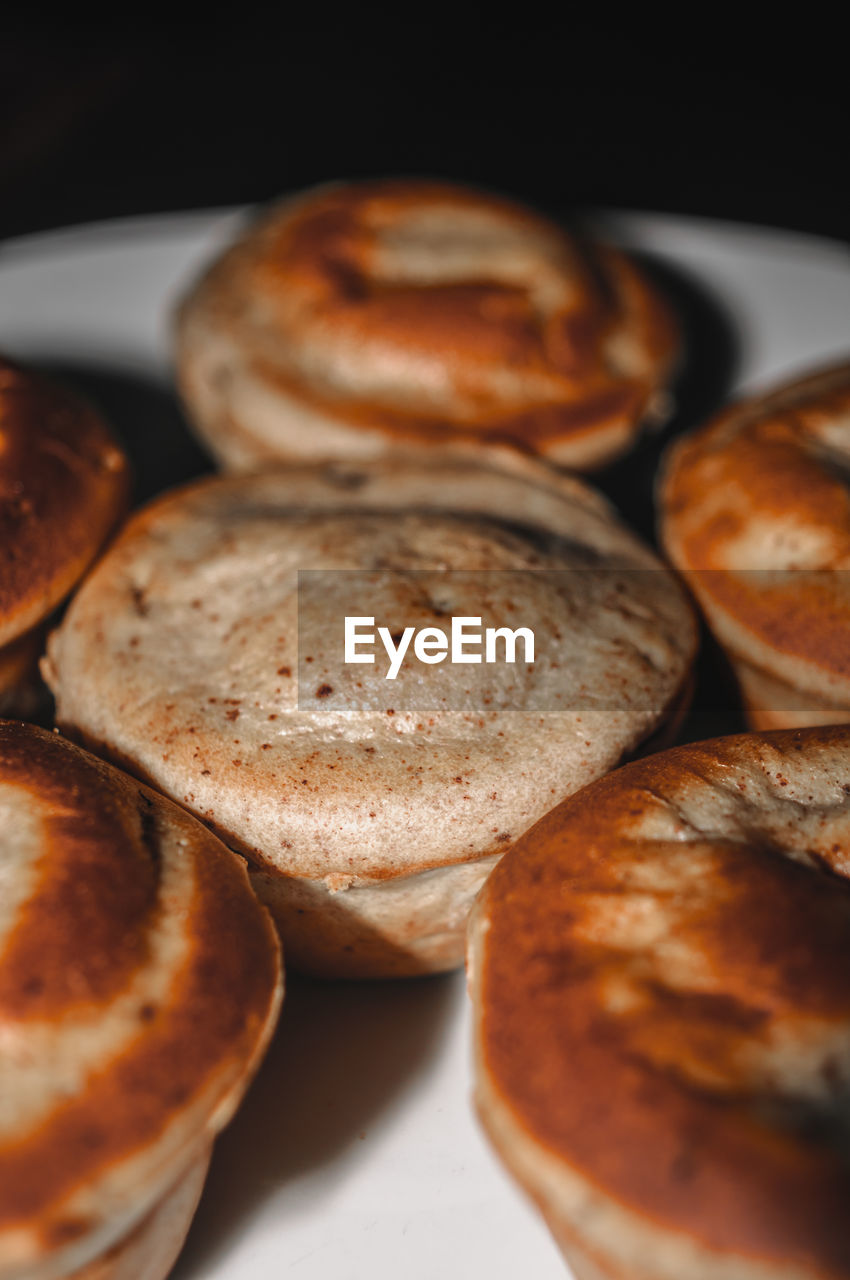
(359,317)
(181,657)
(139,982)
(755,512)
(661,974)
(63,487)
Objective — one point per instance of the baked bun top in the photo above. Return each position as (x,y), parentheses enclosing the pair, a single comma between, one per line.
(755,509)
(139,982)
(181,655)
(435,314)
(662,969)
(63,486)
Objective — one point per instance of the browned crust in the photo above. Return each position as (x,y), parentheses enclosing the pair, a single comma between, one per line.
(651,1102)
(77,941)
(763,487)
(535,430)
(151,1249)
(63,486)
(322,250)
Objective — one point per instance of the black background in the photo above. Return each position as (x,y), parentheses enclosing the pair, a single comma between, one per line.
(685,115)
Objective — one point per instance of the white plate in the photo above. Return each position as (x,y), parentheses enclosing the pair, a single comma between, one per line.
(356,1155)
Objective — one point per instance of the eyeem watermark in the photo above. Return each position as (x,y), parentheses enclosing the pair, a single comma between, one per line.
(428,642)
(462,643)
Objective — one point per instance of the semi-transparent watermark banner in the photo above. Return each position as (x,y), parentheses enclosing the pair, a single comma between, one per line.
(546,641)
(543,641)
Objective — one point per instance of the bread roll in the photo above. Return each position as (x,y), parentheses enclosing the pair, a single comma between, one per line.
(63,487)
(660,973)
(371,809)
(362,319)
(139,984)
(755,512)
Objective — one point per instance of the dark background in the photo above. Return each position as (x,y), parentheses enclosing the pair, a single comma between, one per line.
(689,117)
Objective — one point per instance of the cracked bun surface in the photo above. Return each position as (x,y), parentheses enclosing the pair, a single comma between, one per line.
(660,973)
(371,811)
(63,488)
(755,512)
(366,318)
(140,981)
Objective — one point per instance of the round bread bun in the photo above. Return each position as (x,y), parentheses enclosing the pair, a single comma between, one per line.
(365,318)
(660,973)
(755,512)
(63,487)
(139,984)
(371,810)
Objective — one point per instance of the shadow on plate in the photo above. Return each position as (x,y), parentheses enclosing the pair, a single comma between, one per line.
(343,1054)
(146,417)
(710,363)
(716,708)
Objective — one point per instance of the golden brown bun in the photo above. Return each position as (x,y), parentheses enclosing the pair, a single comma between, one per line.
(371,820)
(63,486)
(660,971)
(361,319)
(139,984)
(150,1250)
(755,512)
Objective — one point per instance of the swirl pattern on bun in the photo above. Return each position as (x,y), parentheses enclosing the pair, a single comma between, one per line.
(660,971)
(755,512)
(360,319)
(63,487)
(139,984)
